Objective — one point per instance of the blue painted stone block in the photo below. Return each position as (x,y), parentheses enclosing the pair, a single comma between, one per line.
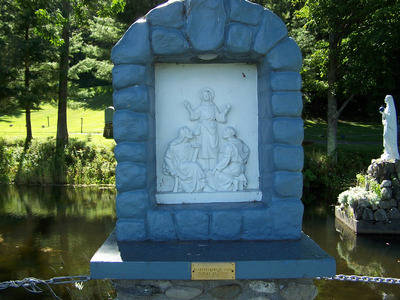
(133,98)
(240,38)
(286,81)
(161,225)
(128,75)
(288,158)
(206,24)
(285,56)
(132,205)
(124,53)
(131,230)
(192,224)
(169,42)
(290,213)
(226,225)
(130,176)
(287,104)
(288,184)
(130,126)
(130,152)
(245,12)
(271,31)
(288,130)
(257,224)
(168,15)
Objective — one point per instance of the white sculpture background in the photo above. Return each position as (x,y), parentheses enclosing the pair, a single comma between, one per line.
(234,84)
(389,121)
(192,159)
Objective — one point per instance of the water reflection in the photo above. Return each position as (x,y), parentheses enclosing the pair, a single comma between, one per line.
(355,254)
(53,231)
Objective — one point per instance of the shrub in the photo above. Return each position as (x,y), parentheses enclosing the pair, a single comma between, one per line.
(81,162)
(321,176)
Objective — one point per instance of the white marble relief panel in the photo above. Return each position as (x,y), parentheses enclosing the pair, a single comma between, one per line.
(206,133)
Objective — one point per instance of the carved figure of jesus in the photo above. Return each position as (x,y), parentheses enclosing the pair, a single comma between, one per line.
(208,115)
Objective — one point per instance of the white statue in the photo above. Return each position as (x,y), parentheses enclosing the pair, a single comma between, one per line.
(389,121)
(180,163)
(207,115)
(229,172)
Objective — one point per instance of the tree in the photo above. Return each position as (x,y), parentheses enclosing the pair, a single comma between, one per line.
(68,17)
(8,71)
(34,52)
(342,30)
(24,56)
(134,9)
(91,51)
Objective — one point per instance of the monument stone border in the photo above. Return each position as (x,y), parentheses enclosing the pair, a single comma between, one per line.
(204,32)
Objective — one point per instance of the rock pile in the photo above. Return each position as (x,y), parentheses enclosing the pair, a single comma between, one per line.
(276,289)
(377,198)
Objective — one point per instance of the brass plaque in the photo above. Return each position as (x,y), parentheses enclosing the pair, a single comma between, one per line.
(213,271)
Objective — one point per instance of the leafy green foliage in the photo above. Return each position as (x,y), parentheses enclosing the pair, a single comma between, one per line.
(324,178)
(91,50)
(349,34)
(82,162)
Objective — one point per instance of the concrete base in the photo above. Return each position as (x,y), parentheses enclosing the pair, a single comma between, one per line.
(367,227)
(301,258)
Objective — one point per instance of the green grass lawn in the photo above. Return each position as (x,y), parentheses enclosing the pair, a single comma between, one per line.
(84,116)
(86,119)
(347,131)
(44,122)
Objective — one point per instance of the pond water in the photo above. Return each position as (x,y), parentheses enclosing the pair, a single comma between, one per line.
(54,231)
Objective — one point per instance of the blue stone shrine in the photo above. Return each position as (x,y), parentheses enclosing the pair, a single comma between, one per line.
(183,74)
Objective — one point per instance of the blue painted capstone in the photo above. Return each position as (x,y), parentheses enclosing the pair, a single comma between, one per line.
(138,35)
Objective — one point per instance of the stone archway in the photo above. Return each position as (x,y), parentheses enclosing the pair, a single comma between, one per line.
(209,32)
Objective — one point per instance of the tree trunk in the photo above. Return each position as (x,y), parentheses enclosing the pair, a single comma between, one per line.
(62,131)
(27,84)
(28,125)
(332,113)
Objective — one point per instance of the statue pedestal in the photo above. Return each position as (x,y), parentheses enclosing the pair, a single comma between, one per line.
(164,270)
(301,258)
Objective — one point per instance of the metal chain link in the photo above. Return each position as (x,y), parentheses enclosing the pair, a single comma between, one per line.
(31,284)
(357,278)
